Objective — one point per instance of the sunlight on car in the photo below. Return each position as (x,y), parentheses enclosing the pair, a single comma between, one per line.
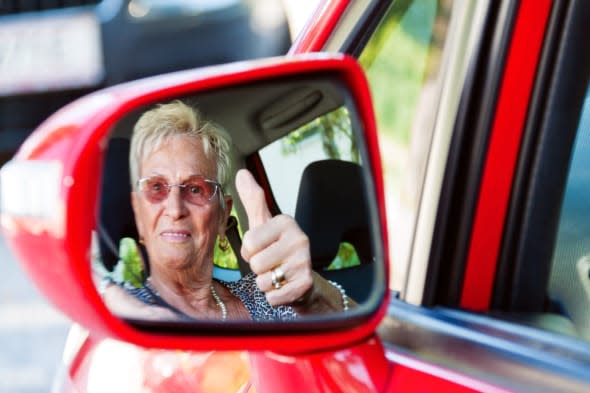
(116,366)
(405,52)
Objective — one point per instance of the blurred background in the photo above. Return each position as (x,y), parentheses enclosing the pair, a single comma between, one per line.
(54,51)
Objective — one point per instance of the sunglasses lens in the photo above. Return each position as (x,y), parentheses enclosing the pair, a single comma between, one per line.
(154,188)
(198,191)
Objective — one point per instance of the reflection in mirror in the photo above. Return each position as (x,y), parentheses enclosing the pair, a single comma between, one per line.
(249,203)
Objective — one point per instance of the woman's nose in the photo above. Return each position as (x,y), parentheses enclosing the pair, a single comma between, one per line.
(174,204)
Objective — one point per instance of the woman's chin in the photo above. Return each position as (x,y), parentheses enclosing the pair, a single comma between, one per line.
(175,259)
(175,250)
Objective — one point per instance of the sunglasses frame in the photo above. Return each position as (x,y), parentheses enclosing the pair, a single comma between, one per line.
(182,186)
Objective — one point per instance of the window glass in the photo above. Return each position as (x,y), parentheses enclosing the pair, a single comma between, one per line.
(402,61)
(328,137)
(569,282)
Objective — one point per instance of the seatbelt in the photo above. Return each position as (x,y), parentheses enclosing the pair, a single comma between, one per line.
(233,236)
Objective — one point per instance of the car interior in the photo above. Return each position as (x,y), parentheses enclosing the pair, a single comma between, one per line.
(569,281)
(333,201)
(324,213)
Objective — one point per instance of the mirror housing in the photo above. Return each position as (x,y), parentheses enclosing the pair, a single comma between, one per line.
(49,195)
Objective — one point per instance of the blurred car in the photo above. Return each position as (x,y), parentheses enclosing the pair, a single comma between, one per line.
(472,136)
(52,51)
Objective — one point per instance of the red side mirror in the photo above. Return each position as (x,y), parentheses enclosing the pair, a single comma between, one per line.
(50,191)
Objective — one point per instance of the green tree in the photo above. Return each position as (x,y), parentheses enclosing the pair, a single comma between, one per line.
(333,128)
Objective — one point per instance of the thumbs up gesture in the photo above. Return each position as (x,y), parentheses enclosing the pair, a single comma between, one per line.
(276,248)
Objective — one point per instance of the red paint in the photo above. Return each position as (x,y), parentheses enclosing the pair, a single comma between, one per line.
(358,368)
(502,154)
(320,26)
(363,367)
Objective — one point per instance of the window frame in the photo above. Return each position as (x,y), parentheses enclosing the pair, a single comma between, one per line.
(465,49)
(524,264)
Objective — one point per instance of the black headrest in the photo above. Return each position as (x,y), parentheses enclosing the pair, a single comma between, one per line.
(332,208)
(116,218)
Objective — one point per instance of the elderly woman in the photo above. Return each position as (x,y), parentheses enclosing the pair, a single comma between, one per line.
(179,166)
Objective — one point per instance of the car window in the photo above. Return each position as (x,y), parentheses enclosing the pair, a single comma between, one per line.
(402,61)
(570,274)
(329,136)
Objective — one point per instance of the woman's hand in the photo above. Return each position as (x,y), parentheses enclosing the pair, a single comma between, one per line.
(279,254)
(274,244)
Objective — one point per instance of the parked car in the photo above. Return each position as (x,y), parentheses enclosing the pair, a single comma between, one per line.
(52,52)
(468,121)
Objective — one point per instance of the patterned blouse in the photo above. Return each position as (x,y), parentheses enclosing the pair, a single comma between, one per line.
(244,289)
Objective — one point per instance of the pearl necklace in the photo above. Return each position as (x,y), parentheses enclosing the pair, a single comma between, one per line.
(220,303)
(216,297)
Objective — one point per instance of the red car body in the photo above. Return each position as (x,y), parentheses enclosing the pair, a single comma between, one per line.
(438,345)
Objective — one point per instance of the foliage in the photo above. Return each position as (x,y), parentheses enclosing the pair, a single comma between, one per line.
(225,258)
(130,266)
(396,62)
(346,257)
(335,130)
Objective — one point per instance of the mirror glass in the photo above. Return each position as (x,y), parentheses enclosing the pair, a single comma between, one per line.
(295,238)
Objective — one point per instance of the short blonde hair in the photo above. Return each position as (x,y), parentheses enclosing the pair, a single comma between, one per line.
(177,118)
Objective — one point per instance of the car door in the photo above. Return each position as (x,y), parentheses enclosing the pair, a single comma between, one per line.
(478,105)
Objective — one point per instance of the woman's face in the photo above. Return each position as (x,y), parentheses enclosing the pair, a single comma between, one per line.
(177,233)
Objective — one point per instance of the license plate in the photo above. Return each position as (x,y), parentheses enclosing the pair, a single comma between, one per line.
(50,53)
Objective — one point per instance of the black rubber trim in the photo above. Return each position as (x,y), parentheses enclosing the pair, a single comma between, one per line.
(461,184)
(533,218)
(362,33)
(14,7)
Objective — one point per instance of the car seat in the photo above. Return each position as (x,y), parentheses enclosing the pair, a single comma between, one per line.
(116,218)
(332,208)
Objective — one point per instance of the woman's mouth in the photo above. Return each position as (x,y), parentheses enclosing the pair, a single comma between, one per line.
(175,236)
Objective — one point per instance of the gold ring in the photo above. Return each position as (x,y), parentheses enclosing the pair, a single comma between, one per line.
(277,277)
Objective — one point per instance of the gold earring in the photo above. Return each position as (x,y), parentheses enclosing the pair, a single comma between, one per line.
(223,243)
(141,241)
